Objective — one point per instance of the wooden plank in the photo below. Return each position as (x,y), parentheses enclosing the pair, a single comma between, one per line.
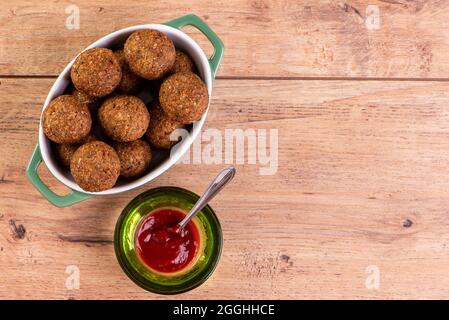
(263,38)
(362,181)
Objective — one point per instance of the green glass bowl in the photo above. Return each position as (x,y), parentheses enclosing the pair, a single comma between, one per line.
(124,241)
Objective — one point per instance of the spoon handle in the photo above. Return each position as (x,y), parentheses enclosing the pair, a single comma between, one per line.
(216,185)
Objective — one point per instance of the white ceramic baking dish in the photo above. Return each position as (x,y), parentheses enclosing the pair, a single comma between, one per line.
(207,68)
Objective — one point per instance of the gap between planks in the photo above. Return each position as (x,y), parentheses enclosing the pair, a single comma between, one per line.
(266,78)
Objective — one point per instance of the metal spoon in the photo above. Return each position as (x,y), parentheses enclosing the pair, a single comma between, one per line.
(222,179)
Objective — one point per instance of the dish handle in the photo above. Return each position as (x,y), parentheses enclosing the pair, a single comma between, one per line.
(195,21)
(57,200)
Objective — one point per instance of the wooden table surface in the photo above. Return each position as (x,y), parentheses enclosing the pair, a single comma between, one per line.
(359,204)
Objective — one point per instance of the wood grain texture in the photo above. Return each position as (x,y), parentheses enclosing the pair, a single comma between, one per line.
(263,38)
(363,179)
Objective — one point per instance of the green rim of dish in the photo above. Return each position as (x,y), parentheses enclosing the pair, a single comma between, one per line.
(124,241)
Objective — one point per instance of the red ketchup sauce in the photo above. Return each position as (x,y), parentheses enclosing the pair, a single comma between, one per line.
(163,247)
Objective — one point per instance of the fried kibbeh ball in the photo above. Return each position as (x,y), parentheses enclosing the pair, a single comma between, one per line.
(124,118)
(95,166)
(183,96)
(160,128)
(150,53)
(183,63)
(65,151)
(92,102)
(130,82)
(135,158)
(66,120)
(96,72)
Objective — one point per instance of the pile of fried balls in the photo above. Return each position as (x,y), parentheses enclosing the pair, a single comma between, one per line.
(104,96)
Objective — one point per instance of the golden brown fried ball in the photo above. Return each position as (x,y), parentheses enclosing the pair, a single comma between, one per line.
(124,118)
(183,63)
(96,72)
(95,166)
(184,97)
(135,158)
(66,120)
(65,151)
(92,102)
(160,128)
(130,82)
(149,53)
